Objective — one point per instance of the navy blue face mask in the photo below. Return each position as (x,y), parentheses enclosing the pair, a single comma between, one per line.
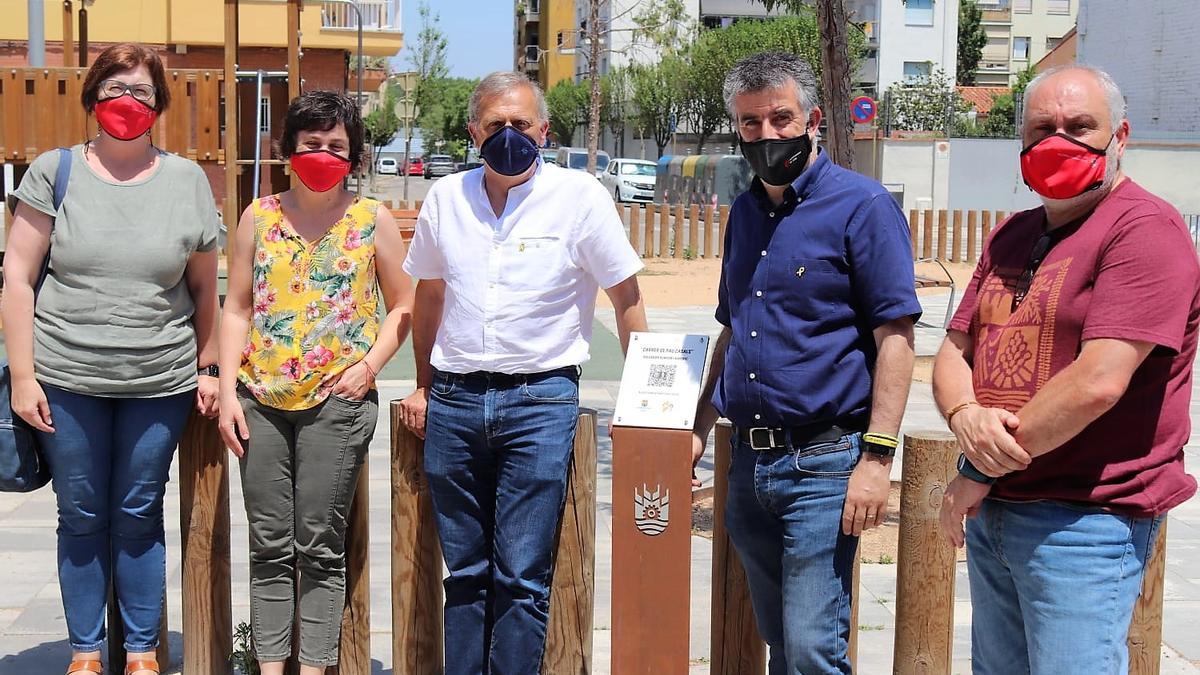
(509,152)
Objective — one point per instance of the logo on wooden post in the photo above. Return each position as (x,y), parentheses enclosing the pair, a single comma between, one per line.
(651,509)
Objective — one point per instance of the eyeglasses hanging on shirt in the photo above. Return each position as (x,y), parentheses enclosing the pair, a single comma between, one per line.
(1041,249)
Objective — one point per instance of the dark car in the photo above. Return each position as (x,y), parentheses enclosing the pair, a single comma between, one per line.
(438,166)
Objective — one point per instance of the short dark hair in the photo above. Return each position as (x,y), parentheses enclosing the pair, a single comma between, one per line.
(322,111)
(122,57)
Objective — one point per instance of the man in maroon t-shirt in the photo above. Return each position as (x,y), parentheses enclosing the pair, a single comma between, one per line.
(1066,377)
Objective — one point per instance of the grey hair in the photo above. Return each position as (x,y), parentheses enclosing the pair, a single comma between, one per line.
(1112,93)
(771,70)
(500,82)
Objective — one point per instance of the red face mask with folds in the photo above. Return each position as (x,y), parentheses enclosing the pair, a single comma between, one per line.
(1060,167)
(125,117)
(320,170)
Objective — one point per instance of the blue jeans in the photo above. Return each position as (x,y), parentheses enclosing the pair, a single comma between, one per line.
(109,459)
(1053,587)
(497,449)
(784,514)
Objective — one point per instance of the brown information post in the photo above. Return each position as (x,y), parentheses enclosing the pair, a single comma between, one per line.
(651,566)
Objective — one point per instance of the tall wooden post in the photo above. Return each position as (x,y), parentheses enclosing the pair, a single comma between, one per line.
(354,646)
(678,252)
(417,640)
(664,231)
(972,236)
(914,225)
(927,235)
(573,591)
(204,525)
(232,208)
(635,228)
(736,647)
(710,248)
(941,237)
(295,79)
(83,35)
(925,569)
(1145,630)
(986,227)
(649,232)
(956,240)
(723,210)
(68,34)
(694,233)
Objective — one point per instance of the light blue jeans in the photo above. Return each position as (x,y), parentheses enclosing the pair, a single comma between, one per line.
(784,514)
(1053,586)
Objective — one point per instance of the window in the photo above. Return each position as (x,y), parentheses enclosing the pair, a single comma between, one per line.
(918,12)
(1020,49)
(1052,43)
(1058,6)
(916,70)
(1022,6)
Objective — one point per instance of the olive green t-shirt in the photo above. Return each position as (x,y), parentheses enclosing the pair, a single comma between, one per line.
(113,317)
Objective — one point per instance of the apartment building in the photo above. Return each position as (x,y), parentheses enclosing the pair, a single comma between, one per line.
(1020,33)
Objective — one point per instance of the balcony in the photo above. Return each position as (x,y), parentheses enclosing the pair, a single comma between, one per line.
(531,9)
(377,15)
(997,15)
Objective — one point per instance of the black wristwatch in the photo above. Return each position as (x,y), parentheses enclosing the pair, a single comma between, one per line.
(211,371)
(878,449)
(967,470)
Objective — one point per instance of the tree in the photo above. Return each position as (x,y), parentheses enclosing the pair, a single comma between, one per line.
(380,127)
(928,103)
(428,58)
(568,105)
(615,107)
(835,74)
(655,92)
(971,40)
(445,117)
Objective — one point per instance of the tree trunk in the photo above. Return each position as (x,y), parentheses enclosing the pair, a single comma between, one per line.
(835,81)
(593,130)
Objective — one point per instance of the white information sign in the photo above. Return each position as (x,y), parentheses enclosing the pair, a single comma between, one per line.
(661,381)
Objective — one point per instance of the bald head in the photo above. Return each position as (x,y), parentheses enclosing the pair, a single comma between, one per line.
(1072,94)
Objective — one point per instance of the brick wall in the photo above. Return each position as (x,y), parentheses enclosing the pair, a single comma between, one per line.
(1150,52)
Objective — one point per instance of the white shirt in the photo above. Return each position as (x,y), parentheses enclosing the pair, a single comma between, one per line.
(520,289)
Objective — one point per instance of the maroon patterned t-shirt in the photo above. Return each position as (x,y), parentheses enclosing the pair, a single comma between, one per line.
(1130,271)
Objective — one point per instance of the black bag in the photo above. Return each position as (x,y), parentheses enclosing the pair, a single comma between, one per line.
(22,467)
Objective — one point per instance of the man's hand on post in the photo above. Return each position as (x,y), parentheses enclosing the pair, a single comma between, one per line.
(986,437)
(867,495)
(962,499)
(412,411)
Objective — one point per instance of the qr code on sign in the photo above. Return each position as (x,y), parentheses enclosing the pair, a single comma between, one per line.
(661,375)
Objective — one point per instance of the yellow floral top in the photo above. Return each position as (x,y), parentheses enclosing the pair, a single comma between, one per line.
(315,305)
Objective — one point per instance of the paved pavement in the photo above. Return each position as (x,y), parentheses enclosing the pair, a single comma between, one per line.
(32,631)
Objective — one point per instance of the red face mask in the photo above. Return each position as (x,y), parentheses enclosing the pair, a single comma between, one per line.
(125,117)
(320,170)
(1060,167)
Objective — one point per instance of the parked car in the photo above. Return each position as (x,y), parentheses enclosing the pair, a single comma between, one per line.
(630,180)
(416,167)
(438,166)
(577,158)
(387,165)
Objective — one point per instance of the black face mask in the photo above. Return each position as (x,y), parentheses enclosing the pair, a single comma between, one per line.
(778,161)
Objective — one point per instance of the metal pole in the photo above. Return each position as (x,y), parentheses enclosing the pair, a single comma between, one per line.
(257,133)
(37,33)
(408,123)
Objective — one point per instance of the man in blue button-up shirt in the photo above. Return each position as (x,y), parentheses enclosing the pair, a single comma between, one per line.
(817,302)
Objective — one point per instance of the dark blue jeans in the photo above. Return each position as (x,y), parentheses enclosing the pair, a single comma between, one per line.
(109,459)
(497,449)
(784,514)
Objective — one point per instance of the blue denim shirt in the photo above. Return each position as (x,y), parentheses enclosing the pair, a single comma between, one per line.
(803,285)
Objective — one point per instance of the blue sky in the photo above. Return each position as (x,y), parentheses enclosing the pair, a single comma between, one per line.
(479,34)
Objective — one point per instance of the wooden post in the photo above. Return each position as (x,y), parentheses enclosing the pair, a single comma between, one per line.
(651,212)
(724,215)
(941,237)
(232,210)
(573,592)
(1000,216)
(204,527)
(68,37)
(635,228)
(709,248)
(416,559)
(295,79)
(622,213)
(678,252)
(736,647)
(986,228)
(694,231)
(972,236)
(664,231)
(927,235)
(1145,630)
(83,35)
(956,241)
(925,570)
(914,225)
(354,645)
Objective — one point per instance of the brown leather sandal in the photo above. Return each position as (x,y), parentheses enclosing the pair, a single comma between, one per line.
(85,666)
(143,664)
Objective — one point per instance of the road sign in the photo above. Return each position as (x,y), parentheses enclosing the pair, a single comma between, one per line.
(862,109)
(405,110)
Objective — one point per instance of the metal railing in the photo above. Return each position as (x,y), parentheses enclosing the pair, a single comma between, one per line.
(376,15)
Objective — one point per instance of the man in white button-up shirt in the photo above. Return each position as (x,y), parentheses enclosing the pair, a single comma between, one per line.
(509,259)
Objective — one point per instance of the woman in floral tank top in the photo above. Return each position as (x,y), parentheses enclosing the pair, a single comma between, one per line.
(301,344)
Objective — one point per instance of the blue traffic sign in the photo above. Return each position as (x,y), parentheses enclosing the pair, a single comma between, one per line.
(863,110)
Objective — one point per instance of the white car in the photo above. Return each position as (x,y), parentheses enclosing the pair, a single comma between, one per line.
(388,165)
(630,180)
